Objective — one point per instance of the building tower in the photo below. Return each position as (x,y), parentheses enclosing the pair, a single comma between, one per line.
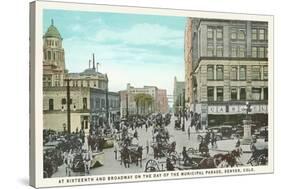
(53,58)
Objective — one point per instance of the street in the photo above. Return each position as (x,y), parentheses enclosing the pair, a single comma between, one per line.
(113,166)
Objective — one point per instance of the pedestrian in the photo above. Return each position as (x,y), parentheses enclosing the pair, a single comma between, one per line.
(188,132)
(87,158)
(169,165)
(186,159)
(68,160)
(146,126)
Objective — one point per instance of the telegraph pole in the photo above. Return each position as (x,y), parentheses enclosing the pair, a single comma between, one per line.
(68,106)
(183,109)
(127,106)
(106,102)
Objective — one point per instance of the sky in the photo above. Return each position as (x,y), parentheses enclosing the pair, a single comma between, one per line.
(131,48)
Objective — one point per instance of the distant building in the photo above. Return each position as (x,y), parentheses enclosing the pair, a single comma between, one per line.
(101,103)
(179,88)
(229,67)
(162,101)
(128,102)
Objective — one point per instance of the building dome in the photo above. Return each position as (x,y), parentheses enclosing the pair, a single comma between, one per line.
(52,32)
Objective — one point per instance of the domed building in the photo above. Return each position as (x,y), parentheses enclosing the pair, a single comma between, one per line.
(53,58)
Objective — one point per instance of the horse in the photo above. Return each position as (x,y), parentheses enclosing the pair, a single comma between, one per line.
(136,156)
(125,156)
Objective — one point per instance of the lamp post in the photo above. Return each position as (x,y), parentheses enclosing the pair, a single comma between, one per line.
(247,137)
(127,106)
(68,106)
(106,103)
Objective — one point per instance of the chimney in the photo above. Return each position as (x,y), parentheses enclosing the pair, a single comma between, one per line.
(94,66)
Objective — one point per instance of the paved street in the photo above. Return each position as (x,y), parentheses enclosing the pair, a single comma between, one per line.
(112,166)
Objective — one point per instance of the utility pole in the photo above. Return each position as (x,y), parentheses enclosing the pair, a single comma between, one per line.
(68,106)
(183,109)
(106,102)
(127,106)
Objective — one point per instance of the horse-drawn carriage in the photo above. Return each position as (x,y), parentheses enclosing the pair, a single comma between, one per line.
(259,154)
(78,164)
(174,161)
(131,154)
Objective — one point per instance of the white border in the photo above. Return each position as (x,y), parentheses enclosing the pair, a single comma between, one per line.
(40,5)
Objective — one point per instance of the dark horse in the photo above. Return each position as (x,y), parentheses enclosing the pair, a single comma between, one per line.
(136,156)
(125,156)
(162,149)
(131,156)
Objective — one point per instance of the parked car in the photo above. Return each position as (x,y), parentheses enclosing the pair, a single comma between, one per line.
(222,132)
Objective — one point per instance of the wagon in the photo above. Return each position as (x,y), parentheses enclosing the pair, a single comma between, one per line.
(259,154)
(78,162)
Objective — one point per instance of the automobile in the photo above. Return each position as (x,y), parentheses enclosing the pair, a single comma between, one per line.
(222,132)
(262,132)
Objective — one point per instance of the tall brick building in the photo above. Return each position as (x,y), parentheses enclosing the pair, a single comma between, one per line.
(229,68)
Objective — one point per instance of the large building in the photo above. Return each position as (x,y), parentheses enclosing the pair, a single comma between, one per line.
(162,101)
(229,68)
(53,58)
(84,86)
(155,100)
(104,105)
(179,90)
(55,108)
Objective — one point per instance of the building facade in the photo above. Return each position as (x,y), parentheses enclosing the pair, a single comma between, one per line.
(229,68)
(155,100)
(162,101)
(55,108)
(85,89)
(179,91)
(53,58)
(104,106)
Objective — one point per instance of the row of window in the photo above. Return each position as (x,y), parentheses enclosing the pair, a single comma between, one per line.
(88,83)
(100,103)
(259,34)
(52,43)
(240,34)
(64,102)
(215,32)
(216,72)
(48,55)
(236,51)
(236,94)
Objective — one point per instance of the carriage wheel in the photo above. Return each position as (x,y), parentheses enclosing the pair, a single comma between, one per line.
(262,160)
(151,166)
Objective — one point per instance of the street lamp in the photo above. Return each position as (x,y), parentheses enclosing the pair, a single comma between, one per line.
(127,106)
(248,109)
(247,138)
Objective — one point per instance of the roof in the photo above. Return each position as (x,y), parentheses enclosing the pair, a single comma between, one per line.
(52,32)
